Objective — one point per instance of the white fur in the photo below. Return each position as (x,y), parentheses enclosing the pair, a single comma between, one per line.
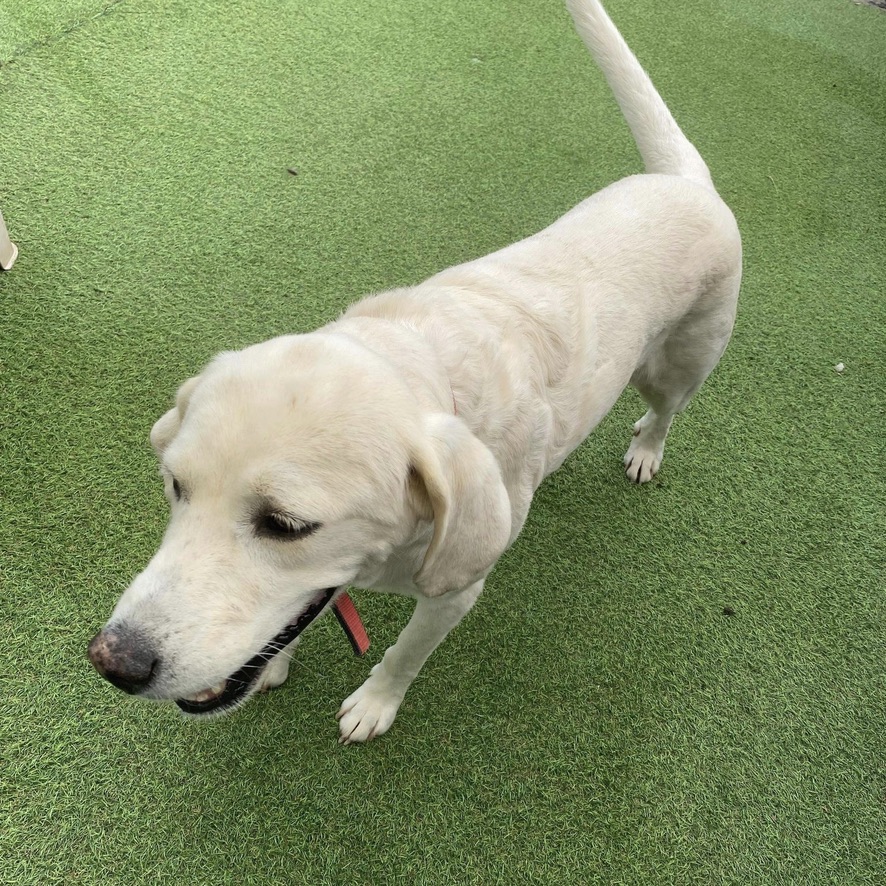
(354,426)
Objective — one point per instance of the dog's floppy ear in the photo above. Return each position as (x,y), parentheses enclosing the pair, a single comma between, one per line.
(459,482)
(166,427)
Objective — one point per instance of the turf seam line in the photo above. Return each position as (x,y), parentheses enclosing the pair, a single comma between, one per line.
(73,26)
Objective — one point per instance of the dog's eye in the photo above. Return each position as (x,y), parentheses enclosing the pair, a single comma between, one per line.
(176,489)
(282,526)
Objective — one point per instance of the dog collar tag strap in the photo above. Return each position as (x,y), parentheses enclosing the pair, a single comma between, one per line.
(349,619)
(8,249)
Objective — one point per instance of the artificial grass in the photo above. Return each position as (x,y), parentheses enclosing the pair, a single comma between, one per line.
(597,718)
(26,26)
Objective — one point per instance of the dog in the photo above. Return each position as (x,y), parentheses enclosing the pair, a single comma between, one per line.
(398,448)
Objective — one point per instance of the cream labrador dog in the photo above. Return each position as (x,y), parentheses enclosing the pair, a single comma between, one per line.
(398,448)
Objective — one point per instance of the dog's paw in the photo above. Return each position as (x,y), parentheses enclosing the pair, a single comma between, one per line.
(277,670)
(644,455)
(275,673)
(368,712)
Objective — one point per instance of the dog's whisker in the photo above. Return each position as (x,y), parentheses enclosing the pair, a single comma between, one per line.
(274,650)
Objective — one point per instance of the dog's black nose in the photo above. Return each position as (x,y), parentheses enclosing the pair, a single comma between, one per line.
(125,657)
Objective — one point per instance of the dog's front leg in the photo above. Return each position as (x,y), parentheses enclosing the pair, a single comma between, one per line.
(370,711)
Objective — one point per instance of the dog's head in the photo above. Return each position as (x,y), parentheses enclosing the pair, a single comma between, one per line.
(293,468)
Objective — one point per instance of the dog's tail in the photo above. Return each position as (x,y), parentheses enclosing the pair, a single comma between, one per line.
(662,144)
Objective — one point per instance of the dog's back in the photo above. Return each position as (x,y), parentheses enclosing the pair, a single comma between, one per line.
(639,275)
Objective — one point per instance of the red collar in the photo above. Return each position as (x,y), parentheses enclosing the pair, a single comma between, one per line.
(348,617)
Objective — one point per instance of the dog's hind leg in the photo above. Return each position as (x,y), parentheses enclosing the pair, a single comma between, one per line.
(673,371)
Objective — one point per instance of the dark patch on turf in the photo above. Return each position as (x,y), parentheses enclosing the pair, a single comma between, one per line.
(728,610)
(880,4)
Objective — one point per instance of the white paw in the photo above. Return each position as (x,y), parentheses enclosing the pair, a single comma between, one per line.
(644,455)
(275,673)
(368,712)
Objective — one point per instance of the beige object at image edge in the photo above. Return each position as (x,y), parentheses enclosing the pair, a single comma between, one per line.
(8,249)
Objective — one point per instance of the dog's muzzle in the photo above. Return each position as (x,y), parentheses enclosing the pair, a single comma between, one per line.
(126,658)
(241,683)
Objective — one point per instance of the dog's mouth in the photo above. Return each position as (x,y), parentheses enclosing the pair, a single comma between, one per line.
(233,691)
(227,694)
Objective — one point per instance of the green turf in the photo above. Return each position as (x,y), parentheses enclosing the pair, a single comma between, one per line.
(26,25)
(597,719)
